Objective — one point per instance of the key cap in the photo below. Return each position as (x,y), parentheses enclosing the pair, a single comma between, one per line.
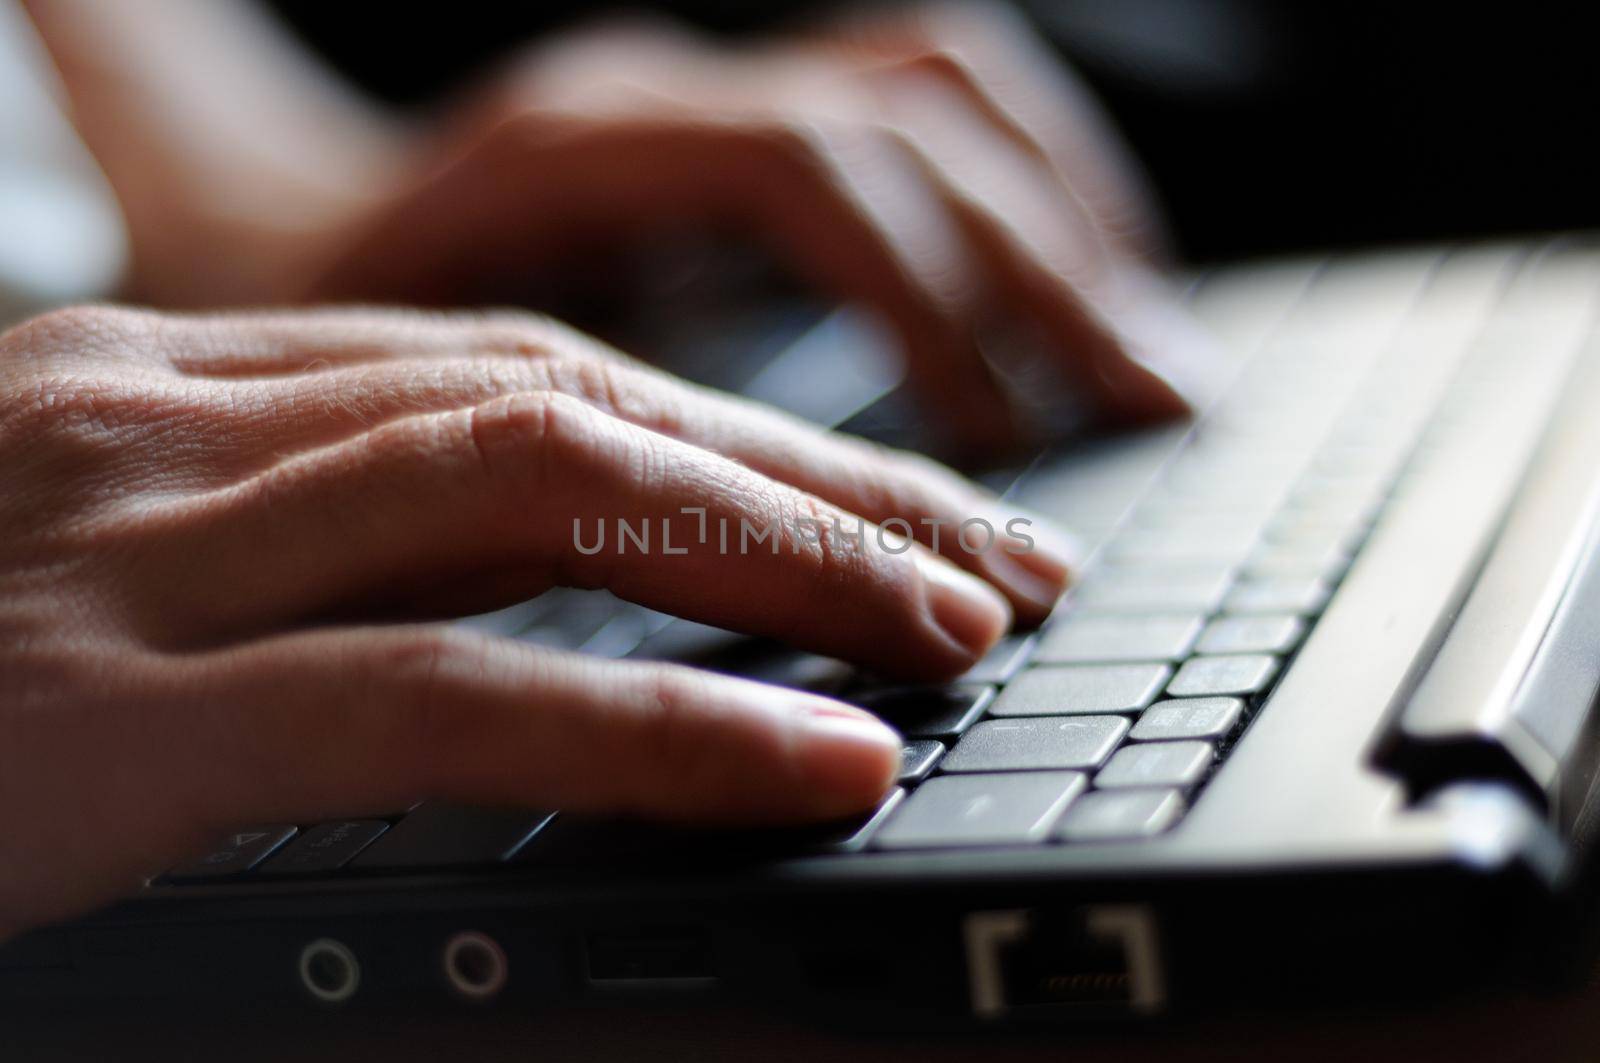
(1071,742)
(980,810)
(1166,721)
(1113,815)
(1084,638)
(927,711)
(1084,688)
(439,834)
(325,848)
(687,642)
(1142,590)
(1156,764)
(1295,561)
(917,760)
(1278,594)
(235,854)
(1267,633)
(854,834)
(1003,660)
(1238,674)
(1184,542)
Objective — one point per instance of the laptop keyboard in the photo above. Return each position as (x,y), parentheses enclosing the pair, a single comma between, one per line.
(1215,549)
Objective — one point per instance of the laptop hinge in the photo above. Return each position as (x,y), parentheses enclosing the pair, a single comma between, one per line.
(1510,694)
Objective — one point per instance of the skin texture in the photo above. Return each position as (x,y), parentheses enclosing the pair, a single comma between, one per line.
(223,538)
(935,163)
(218,533)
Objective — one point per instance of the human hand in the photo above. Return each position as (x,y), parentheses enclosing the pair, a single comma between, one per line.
(936,164)
(211,524)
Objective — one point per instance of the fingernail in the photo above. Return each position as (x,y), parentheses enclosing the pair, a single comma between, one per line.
(1044,548)
(966,608)
(848,757)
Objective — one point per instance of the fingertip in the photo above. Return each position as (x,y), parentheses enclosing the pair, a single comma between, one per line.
(969,611)
(846,758)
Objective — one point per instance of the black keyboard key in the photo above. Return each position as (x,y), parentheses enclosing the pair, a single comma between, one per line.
(956,810)
(235,854)
(1003,660)
(917,759)
(439,834)
(1087,638)
(927,711)
(325,848)
(1237,675)
(852,835)
(1118,815)
(1075,743)
(1268,633)
(1178,764)
(1168,721)
(1081,689)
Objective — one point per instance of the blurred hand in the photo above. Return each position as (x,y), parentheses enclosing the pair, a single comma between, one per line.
(937,164)
(204,519)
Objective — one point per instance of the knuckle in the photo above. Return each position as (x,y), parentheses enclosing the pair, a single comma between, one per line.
(509,433)
(77,329)
(618,390)
(541,444)
(942,63)
(523,333)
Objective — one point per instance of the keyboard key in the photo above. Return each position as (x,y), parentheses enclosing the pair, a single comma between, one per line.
(1156,764)
(325,848)
(1003,660)
(235,854)
(1186,541)
(918,758)
(1166,721)
(1064,690)
(927,711)
(1113,815)
(1288,560)
(1237,674)
(1072,742)
(981,810)
(439,834)
(852,835)
(1158,590)
(1266,633)
(1278,594)
(1085,638)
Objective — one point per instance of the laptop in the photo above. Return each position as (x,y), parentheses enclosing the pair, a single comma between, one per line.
(1316,722)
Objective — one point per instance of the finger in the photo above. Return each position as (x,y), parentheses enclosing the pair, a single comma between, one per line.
(1046,260)
(991,54)
(373,718)
(837,202)
(926,501)
(273,343)
(536,480)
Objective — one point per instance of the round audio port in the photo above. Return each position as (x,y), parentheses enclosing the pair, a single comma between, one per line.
(329,971)
(474,965)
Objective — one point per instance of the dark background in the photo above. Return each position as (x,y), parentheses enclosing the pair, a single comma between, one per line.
(1267,125)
